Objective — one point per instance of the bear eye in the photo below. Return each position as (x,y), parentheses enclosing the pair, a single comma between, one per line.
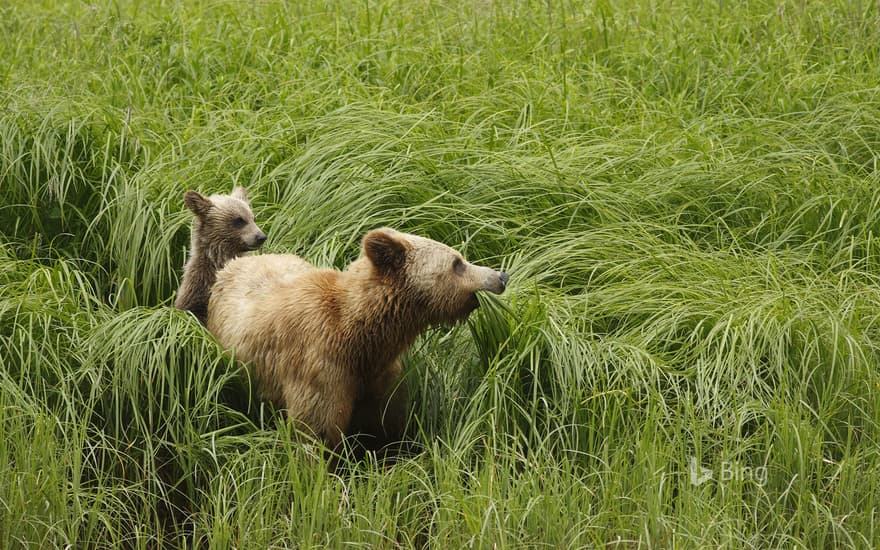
(238,222)
(458,265)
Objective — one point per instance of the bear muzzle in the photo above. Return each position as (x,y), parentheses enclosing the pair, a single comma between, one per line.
(257,241)
(495,281)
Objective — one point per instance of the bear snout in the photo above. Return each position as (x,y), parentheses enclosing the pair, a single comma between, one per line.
(504,278)
(495,281)
(254,242)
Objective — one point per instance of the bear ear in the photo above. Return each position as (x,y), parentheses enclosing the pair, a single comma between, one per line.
(198,203)
(240,193)
(385,250)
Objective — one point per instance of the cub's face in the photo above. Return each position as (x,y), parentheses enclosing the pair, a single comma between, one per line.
(433,275)
(226,220)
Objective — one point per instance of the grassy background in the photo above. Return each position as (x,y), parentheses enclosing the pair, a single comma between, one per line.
(685,195)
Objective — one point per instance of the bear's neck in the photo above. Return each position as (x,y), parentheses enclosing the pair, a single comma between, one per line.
(383,321)
(206,258)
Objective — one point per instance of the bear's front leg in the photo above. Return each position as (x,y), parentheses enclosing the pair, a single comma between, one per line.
(379,416)
(322,407)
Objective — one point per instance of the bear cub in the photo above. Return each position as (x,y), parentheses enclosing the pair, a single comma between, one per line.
(325,345)
(223,228)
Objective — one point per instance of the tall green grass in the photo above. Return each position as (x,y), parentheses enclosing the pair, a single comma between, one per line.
(685,195)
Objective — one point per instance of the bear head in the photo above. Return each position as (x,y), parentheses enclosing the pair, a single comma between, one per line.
(429,275)
(225,221)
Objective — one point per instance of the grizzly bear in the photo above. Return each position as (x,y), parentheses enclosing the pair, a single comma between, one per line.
(223,228)
(324,345)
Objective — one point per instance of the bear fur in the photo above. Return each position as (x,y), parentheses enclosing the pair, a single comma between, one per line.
(325,345)
(223,228)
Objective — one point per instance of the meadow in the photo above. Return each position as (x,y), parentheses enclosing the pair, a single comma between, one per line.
(685,194)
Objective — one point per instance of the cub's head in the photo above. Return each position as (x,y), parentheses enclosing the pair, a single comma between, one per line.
(225,221)
(430,275)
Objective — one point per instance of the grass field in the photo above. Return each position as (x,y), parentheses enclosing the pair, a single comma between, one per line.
(685,195)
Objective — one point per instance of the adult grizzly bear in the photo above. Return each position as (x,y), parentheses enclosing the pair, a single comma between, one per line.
(325,344)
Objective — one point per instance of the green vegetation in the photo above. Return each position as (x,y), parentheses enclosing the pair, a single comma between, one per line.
(685,194)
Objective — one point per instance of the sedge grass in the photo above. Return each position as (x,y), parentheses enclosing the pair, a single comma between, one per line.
(685,196)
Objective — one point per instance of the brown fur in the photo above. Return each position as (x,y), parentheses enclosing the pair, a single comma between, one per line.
(325,344)
(223,228)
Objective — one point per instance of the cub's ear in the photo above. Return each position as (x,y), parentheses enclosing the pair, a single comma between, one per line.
(198,203)
(240,193)
(385,249)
